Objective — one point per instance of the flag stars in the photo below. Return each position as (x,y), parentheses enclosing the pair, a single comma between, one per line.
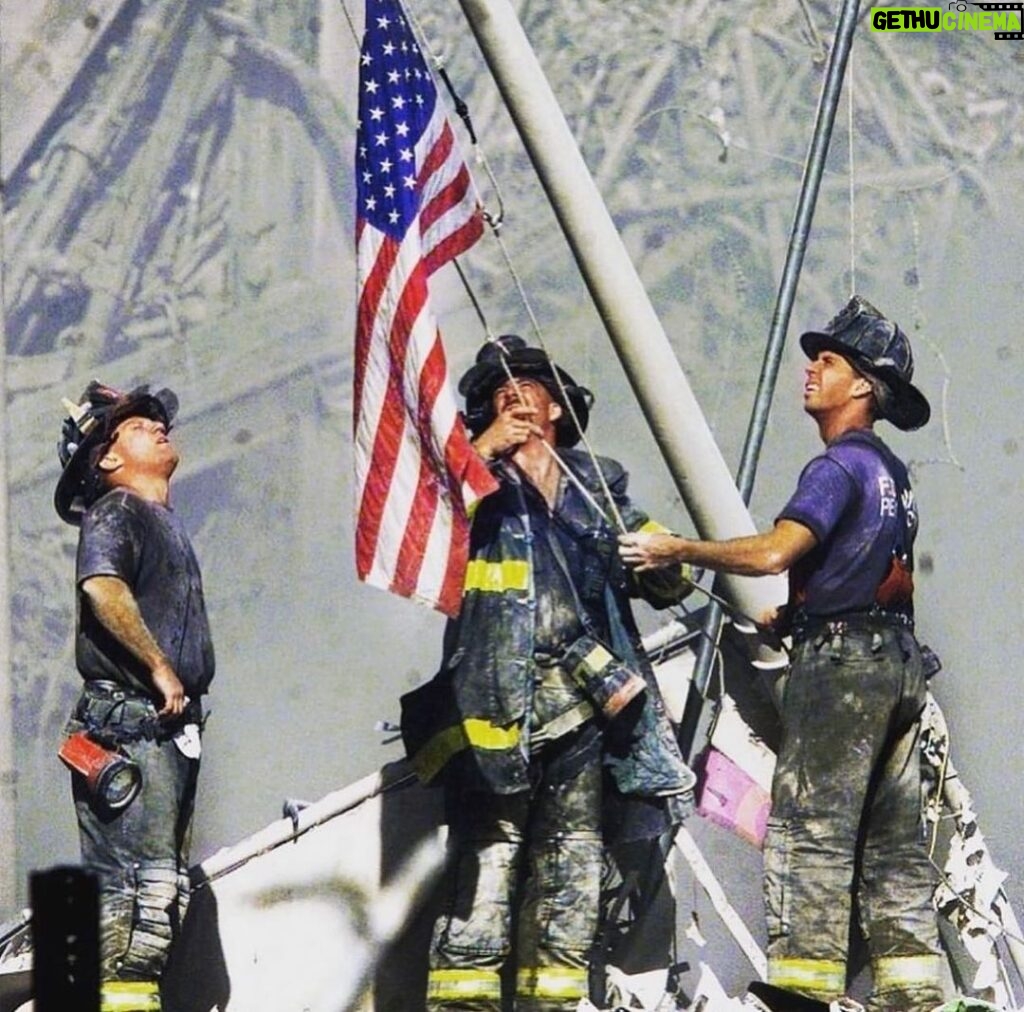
(396,94)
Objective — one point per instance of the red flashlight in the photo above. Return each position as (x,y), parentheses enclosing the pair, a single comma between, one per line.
(112,778)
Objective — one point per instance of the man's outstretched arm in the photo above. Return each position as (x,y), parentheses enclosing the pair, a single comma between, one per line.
(765,554)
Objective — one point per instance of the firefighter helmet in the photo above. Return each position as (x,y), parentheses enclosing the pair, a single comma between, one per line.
(876,347)
(509,355)
(87,428)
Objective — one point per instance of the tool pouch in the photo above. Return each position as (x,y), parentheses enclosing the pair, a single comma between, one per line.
(609,683)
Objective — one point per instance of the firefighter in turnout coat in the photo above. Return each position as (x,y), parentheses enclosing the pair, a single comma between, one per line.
(544,722)
(846,832)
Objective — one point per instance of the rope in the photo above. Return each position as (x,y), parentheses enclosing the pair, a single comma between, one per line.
(351,23)
(852,175)
(472,298)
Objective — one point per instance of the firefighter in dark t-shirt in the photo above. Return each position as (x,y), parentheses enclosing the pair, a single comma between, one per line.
(846,794)
(143,649)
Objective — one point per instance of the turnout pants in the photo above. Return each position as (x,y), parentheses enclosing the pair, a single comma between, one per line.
(140,854)
(846,823)
(525,876)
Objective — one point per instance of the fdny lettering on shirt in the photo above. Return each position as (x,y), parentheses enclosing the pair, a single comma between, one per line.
(909,507)
(887,496)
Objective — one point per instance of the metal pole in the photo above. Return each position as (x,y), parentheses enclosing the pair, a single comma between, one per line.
(809,186)
(8,876)
(665,396)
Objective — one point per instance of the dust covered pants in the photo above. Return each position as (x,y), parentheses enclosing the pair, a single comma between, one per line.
(846,822)
(140,854)
(529,863)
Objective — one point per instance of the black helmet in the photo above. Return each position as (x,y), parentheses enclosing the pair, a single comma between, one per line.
(878,348)
(88,427)
(509,355)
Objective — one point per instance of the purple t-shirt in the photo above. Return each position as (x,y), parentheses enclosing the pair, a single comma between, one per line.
(857,501)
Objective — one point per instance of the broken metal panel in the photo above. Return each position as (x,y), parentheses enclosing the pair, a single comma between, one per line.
(182,186)
(42,49)
(51,246)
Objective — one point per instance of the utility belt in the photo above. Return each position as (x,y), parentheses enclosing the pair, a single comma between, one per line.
(559,705)
(107,718)
(113,714)
(805,627)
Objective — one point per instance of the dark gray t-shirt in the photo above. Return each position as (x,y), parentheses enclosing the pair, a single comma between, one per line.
(146,546)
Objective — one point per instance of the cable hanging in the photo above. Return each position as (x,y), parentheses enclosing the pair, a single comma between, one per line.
(852,175)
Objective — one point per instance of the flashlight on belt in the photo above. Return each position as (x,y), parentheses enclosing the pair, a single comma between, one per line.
(112,779)
(603,677)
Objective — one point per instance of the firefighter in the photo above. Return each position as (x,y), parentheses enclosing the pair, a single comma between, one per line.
(846,796)
(143,649)
(544,722)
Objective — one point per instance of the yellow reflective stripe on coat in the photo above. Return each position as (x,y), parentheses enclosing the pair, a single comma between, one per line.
(597,660)
(450,985)
(551,982)
(495,577)
(473,731)
(129,996)
(889,972)
(809,976)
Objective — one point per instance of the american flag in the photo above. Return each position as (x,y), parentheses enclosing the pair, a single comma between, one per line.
(416,472)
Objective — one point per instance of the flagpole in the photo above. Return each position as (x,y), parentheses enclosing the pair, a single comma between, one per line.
(661,387)
(8,876)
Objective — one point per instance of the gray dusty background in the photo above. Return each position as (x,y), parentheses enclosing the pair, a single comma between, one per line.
(177,187)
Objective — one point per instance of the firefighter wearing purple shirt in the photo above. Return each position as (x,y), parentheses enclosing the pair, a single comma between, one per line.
(845,831)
